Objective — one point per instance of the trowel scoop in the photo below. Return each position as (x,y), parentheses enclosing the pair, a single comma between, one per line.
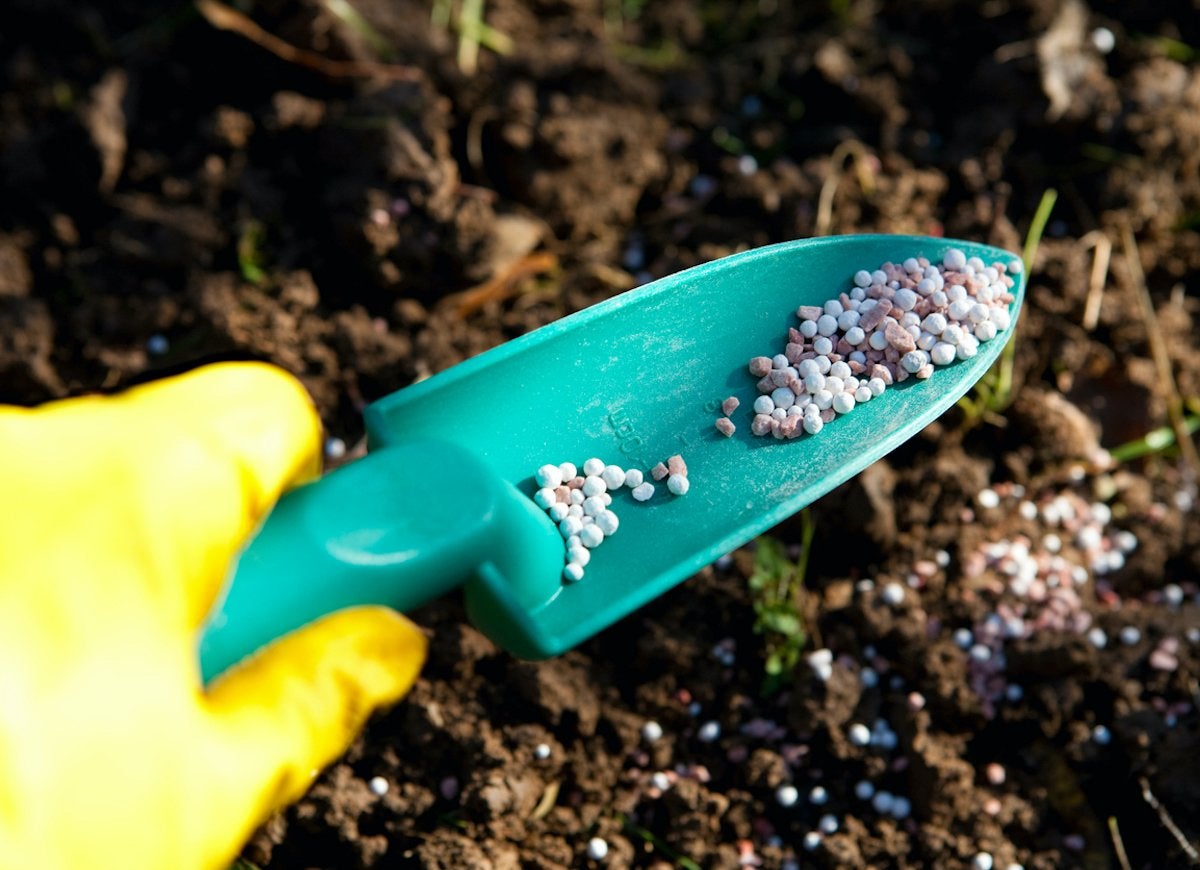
(443,499)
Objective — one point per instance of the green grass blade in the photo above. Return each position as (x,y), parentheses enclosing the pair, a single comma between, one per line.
(654,840)
(993,394)
(1154,441)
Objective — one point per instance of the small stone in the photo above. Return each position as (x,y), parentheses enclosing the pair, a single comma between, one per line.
(652,732)
(378,786)
(597,849)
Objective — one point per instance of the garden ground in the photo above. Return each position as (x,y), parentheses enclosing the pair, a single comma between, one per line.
(366,194)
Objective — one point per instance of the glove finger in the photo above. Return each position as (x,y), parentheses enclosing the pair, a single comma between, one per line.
(230,439)
(294,707)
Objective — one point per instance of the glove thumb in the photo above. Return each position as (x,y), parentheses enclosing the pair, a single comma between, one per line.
(289,710)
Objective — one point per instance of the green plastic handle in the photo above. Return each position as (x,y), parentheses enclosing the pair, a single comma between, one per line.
(407,523)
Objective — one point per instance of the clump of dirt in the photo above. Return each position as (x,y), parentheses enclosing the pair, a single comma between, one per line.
(1002,678)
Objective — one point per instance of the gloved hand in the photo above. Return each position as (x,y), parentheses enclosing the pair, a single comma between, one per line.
(119,517)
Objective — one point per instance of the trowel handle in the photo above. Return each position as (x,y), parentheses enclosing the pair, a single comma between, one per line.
(405,524)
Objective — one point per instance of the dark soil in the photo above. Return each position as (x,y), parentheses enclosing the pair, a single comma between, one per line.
(369,213)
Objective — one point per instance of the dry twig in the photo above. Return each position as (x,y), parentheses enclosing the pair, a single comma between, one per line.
(223,17)
(1101,247)
(1169,823)
(1162,357)
(504,284)
(1118,843)
(849,150)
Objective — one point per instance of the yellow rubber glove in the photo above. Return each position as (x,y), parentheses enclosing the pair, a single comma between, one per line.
(119,518)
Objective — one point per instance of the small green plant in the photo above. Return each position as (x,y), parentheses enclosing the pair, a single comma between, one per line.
(993,393)
(777,585)
(1156,440)
(618,13)
(656,843)
(1175,49)
(353,19)
(660,55)
(840,10)
(249,251)
(468,20)
(849,14)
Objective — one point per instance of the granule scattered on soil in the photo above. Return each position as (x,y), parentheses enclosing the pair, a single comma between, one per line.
(1048,580)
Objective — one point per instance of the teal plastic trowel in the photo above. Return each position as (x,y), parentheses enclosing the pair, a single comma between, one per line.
(443,499)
